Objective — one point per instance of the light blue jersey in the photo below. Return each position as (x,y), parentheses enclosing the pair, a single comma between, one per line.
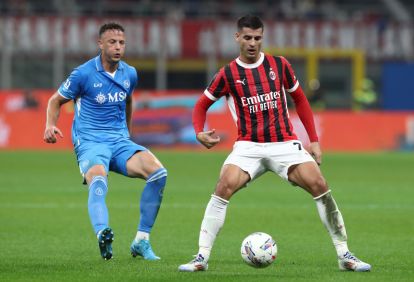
(100,101)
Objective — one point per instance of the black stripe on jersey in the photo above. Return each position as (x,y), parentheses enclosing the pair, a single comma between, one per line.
(289,77)
(239,104)
(246,93)
(259,89)
(282,97)
(273,88)
(219,88)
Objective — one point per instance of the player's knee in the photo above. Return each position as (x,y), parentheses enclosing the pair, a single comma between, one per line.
(225,189)
(320,185)
(159,174)
(96,170)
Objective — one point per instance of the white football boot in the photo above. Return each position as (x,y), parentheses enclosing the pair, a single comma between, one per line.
(197,264)
(350,262)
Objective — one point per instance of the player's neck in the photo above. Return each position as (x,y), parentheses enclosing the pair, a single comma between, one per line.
(249,60)
(109,66)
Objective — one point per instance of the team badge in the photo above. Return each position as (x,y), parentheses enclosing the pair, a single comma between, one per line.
(100,98)
(272,74)
(126,83)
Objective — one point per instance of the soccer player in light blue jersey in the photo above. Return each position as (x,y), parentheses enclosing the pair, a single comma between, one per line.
(102,91)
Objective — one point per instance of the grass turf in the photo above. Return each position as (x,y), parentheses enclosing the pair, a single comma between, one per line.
(45,234)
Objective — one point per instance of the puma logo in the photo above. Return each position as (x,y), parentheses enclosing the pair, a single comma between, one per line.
(241,81)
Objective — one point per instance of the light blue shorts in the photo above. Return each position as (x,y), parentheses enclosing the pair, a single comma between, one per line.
(112,155)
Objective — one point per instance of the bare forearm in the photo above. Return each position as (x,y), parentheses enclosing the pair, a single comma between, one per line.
(53,112)
(52,116)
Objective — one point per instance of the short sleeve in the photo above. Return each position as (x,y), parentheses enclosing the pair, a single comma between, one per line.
(290,81)
(134,78)
(71,88)
(218,86)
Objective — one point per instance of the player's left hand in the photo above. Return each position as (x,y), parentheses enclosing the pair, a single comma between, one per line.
(208,139)
(316,152)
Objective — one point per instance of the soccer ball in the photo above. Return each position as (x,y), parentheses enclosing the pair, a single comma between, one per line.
(259,250)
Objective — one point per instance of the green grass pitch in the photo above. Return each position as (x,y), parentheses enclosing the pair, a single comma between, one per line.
(45,234)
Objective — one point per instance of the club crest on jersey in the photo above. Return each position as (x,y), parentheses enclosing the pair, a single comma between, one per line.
(126,83)
(272,74)
(100,98)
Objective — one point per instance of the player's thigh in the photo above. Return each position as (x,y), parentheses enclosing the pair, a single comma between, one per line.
(232,178)
(283,156)
(248,157)
(142,164)
(93,158)
(308,176)
(133,160)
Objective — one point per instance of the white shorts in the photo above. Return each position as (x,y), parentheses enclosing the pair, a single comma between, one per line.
(257,158)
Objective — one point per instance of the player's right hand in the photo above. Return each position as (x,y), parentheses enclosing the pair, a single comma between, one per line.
(50,134)
(207,139)
(315,151)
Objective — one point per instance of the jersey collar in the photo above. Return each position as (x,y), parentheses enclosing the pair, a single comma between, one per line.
(99,66)
(251,66)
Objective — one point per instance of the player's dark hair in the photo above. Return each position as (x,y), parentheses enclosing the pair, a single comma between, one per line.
(249,21)
(109,26)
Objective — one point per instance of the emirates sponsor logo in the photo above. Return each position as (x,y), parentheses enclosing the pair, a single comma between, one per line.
(261,102)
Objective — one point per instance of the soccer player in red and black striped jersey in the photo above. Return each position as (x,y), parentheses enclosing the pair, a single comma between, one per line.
(255,86)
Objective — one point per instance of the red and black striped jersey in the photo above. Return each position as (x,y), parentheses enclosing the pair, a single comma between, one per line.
(256,96)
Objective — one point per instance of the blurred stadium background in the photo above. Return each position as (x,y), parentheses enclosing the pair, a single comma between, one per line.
(353,58)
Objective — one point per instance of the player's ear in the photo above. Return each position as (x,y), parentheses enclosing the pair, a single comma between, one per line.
(237,36)
(100,43)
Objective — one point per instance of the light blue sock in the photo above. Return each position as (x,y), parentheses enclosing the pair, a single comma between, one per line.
(98,212)
(151,199)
